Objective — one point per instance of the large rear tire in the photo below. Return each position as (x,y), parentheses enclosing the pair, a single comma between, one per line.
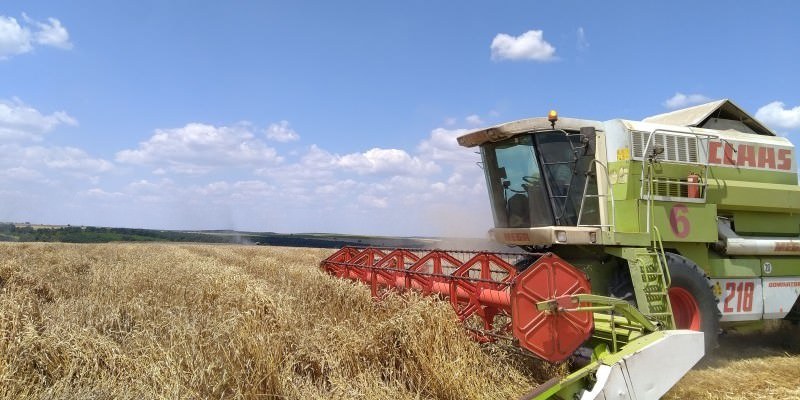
(692,297)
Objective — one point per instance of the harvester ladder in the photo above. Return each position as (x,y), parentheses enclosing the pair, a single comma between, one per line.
(650,283)
(652,270)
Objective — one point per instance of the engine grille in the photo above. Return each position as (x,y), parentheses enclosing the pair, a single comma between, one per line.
(677,148)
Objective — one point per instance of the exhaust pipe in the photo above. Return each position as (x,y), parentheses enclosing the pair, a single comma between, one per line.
(733,244)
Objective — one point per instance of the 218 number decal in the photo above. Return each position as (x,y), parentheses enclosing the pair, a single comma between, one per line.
(741,294)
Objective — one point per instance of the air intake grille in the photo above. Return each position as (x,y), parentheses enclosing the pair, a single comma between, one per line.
(669,187)
(677,148)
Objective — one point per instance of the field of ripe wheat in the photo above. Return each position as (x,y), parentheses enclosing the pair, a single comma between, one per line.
(200,321)
(209,321)
(758,365)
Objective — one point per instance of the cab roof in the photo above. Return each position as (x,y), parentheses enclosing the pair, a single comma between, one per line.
(720,115)
(510,129)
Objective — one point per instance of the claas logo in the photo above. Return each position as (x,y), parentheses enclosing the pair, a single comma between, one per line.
(748,155)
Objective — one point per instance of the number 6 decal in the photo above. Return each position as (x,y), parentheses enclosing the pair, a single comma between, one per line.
(678,220)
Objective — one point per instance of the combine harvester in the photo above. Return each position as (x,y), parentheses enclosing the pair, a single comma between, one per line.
(643,241)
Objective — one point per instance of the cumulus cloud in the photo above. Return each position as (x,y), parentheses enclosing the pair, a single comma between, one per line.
(19,38)
(14,39)
(40,172)
(372,183)
(67,158)
(199,148)
(527,46)
(372,161)
(397,190)
(50,33)
(391,161)
(680,100)
(779,117)
(64,159)
(19,121)
(442,146)
(281,132)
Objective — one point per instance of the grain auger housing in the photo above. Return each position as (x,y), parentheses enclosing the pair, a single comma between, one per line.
(638,242)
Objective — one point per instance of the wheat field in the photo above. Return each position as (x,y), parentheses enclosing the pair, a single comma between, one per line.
(212,321)
(200,321)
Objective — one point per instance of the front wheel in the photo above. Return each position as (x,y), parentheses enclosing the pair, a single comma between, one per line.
(691,295)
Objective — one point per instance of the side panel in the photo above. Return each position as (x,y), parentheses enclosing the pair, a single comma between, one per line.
(779,296)
(774,266)
(739,299)
(766,224)
(733,267)
(755,298)
(682,222)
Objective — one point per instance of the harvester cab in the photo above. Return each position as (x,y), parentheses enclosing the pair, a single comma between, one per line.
(642,240)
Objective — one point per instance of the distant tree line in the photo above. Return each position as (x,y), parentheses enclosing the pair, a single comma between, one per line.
(91,234)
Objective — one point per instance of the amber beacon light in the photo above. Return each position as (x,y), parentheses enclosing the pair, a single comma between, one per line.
(552,116)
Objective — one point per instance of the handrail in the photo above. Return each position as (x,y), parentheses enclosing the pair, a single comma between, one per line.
(662,257)
(698,135)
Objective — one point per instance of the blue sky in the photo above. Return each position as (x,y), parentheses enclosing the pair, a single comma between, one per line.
(317,116)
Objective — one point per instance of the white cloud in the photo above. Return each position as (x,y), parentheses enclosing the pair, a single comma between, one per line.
(779,117)
(527,46)
(442,145)
(373,161)
(318,158)
(50,33)
(373,184)
(392,161)
(67,158)
(16,38)
(583,44)
(281,132)
(405,191)
(19,121)
(474,119)
(680,100)
(199,148)
(62,159)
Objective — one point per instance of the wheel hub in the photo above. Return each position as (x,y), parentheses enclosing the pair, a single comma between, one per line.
(684,308)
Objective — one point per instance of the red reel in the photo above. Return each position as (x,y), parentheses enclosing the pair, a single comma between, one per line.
(551,335)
